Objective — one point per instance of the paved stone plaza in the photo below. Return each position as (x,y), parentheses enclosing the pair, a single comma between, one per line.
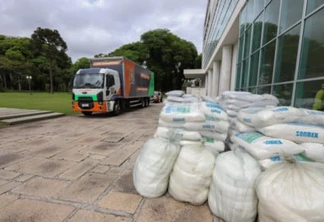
(77,168)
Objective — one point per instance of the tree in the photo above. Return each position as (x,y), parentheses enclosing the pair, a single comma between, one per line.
(49,43)
(81,63)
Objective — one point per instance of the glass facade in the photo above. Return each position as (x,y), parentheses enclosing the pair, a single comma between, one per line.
(217,22)
(281,46)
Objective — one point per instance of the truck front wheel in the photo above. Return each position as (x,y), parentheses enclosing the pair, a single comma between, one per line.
(117,108)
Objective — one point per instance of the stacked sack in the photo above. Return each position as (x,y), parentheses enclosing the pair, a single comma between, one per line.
(289,125)
(233,101)
(291,191)
(232,195)
(201,128)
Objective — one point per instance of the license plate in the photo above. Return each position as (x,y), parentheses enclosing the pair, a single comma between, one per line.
(85,105)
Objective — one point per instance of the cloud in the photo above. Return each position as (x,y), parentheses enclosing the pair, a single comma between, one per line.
(90,27)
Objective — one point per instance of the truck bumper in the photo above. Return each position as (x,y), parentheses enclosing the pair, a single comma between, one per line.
(93,107)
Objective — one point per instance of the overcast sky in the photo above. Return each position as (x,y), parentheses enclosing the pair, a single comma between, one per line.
(91,27)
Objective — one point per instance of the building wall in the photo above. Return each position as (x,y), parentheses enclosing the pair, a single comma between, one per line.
(277,48)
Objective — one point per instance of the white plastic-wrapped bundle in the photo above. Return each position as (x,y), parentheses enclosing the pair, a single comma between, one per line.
(296,132)
(241,127)
(214,110)
(212,126)
(263,147)
(266,163)
(314,151)
(291,192)
(179,133)
(178,93)
(191,175)
(153,167)
(182,112)
(232,196)
(215,146)
(176,125)
(266,116)
(214,135)
(312,117)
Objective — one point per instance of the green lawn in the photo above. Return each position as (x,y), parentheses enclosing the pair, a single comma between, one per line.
(57,102)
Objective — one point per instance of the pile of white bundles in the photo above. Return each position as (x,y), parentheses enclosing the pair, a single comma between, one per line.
(232,194)
(196,121)
(202,129)
(153,166)
(299,127)
(233,101)
(291,191)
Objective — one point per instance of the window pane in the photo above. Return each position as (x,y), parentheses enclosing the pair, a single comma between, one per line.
(254,69)
(283,93)
(241,48)
(245,72)
(267,58)
(257,30)
(264,90)
(247,41)
(250,16)
(258,6)
(291,12)
(287,55)
(312,55)
(252,90)
(306,93)
(243,20)
(271,21)
(313,4)
(238,76)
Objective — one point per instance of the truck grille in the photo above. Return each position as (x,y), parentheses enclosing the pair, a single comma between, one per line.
(85,103)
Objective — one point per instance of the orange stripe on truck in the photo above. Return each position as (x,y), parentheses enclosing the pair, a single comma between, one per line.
(142,89)
(96,107)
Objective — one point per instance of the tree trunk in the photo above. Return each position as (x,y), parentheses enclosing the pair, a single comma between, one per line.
(5,80)
(51,75)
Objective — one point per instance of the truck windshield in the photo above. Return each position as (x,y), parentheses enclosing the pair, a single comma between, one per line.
(88,80)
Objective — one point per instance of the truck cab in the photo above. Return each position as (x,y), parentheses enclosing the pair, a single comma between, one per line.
(96,90)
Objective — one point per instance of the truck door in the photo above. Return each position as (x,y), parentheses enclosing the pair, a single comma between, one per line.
(110,88)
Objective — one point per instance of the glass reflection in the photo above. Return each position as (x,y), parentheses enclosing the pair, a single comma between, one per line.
(267,58)
(271,21)
(306,95)
(287,55)
(313,4)
(254,69)
(283,93)
(312,55)
(291,12)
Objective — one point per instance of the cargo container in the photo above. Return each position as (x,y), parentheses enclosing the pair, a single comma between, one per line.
(111,84)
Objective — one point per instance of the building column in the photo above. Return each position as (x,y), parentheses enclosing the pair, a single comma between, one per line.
(210,82)
(206,83)
(225,74)
(216,71)
(234,66)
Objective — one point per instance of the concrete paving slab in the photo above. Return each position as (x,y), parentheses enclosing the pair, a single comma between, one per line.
(121,201)
(88,188)
(6,174)
(167,209)
(41,187)
(4,188)
(78,169)
(36,211)
(6,199)
(86,215)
